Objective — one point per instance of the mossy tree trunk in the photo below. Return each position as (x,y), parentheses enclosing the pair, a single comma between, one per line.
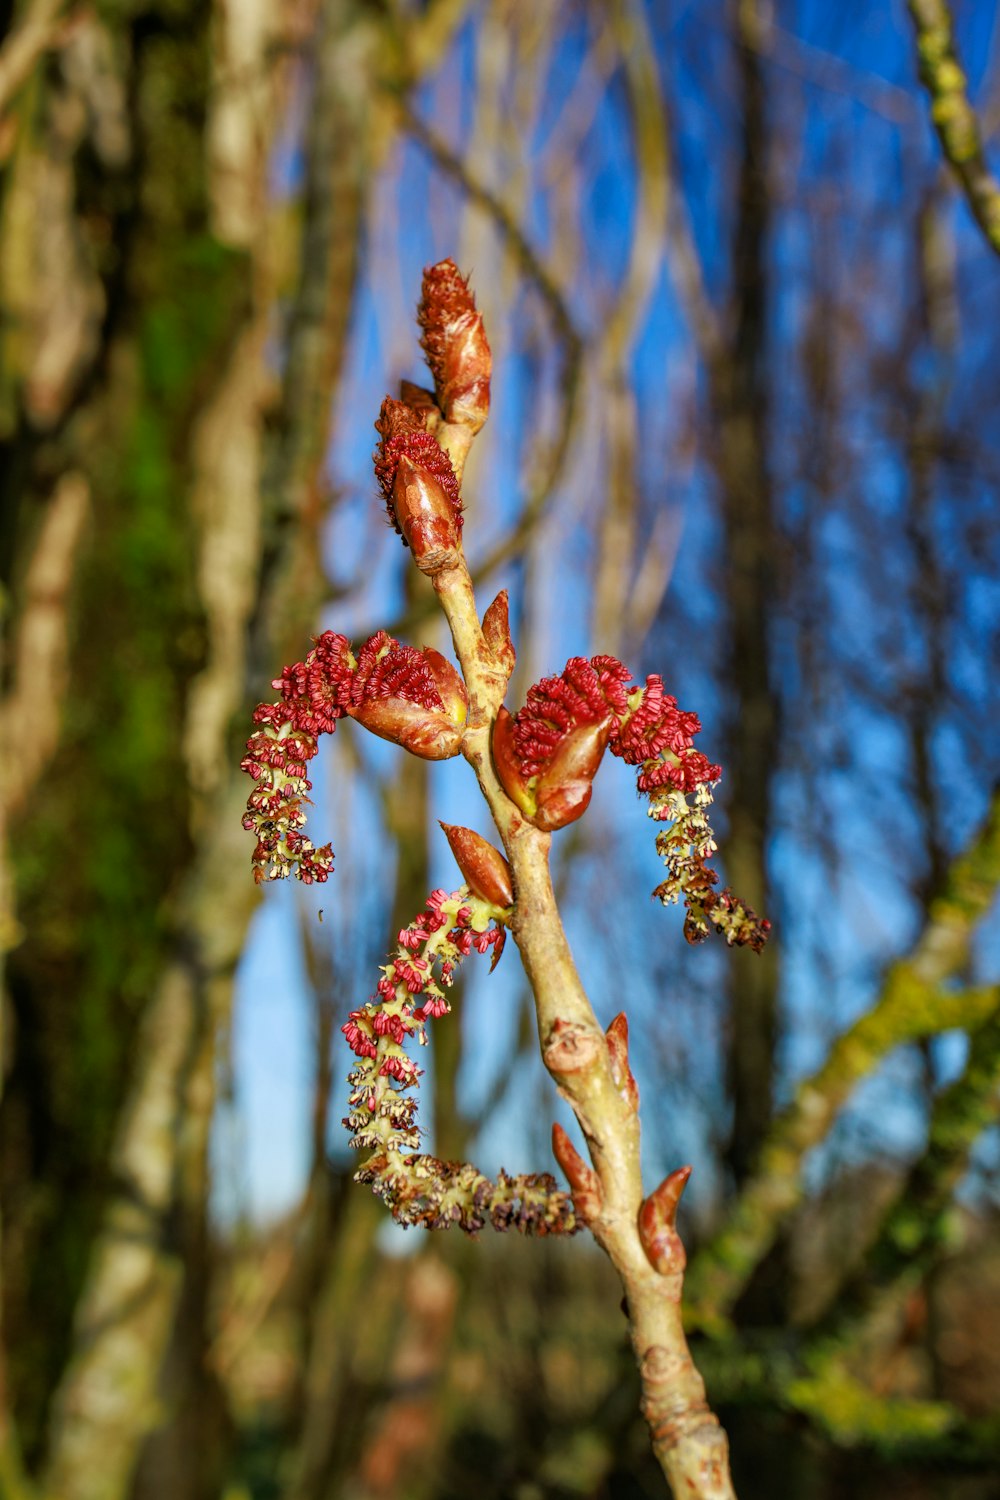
(99,845)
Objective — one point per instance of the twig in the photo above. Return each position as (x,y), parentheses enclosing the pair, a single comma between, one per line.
(953,116)
(688,1441)
(548,289)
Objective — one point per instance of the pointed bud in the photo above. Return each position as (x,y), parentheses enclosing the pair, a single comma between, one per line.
(484,868)
(449,684)
(507,768)
(658,1225)
(564,788)
(425,516)
(616,1037)
(588,1199)
(496,630)
(455,344)
(423,731)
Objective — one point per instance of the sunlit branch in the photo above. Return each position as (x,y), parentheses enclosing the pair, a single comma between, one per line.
(35,32)
(914,1003)
(953,115)
(916,1231)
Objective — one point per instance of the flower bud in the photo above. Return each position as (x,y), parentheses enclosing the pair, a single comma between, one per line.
(564,788)
(588,1198)
(420,488)
(496,631)
(507,766)
(426,517)
(484,868)
(456,347)
(616,1037)
(658,1225)
(425,732)
(449,684)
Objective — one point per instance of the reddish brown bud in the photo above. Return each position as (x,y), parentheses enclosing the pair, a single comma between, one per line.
(423,731)
(455,344)
(588,1199)
(564,788)
(449,684)
(496,630)
(486,871)
(426,517)
(570,1048)
(506,763)
(658,1225)
(616,1037)
(420,487)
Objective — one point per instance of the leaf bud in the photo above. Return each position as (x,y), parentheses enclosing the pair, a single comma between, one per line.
(496,631)
(588,1198)
(657,1225)
(484,868)
(616,1037)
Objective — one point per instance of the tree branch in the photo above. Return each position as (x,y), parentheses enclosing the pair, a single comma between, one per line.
(34,34)
(916,1230)
(953,116)
(913,1004)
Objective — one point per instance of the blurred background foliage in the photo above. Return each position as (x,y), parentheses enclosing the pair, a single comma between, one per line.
(744,433)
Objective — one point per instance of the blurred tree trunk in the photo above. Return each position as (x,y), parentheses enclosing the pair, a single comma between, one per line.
(120,309)
(740,400)
(158,398)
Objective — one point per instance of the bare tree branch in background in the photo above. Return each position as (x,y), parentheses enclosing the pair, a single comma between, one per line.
(199,227)
(551,464)
(953,116)
(33,34)
(914,1001)
(915,1233)
(618,527)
